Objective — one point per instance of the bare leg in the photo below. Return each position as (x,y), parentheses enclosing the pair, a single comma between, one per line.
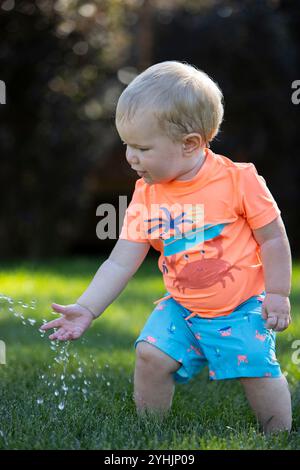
(270,400)
(153,381)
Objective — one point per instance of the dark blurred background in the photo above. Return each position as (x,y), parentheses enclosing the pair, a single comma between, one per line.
(65,64)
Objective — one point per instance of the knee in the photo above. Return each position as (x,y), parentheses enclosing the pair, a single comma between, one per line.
(149,357)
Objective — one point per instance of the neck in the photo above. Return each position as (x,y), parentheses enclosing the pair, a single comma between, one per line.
(197,164)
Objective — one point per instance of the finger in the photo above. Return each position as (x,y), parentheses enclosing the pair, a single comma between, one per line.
(59,308)
(281,324)
(271,322)
(77,333)
(57,334)
(52,324)
(285,324)
(65,337)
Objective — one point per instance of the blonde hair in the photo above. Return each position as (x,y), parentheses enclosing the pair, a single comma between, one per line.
(183,99)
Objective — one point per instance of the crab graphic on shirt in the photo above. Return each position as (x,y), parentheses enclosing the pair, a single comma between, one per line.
(204,272)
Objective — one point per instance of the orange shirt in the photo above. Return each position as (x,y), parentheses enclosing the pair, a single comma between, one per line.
(203,230)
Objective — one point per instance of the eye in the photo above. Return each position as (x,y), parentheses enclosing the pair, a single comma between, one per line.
(142,150)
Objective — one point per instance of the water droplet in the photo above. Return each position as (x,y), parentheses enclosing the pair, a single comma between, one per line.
(40,401)
(65,388)
(56,393)
(61,405)
(73,376)
(32,321)
(62,377)
(80,370)
(108,384)
(107,366)
(84,390)
(25,305)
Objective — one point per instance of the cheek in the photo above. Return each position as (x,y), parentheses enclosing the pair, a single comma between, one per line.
(161,162)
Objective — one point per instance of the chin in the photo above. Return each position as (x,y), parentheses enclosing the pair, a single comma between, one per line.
(148,179)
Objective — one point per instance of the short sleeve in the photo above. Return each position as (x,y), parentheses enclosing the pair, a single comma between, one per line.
(133,224)
(257,203)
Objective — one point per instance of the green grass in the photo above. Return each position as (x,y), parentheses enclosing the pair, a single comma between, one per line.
(204,415)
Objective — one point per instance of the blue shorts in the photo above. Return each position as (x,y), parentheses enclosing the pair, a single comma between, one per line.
(232,346)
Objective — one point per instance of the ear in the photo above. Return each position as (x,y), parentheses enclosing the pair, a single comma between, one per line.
(192,143)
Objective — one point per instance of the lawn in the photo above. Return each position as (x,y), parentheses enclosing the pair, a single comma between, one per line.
(78,395)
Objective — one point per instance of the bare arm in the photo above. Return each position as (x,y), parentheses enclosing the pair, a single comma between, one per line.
(277,265)
(107,284)
(276,257)
(113,275)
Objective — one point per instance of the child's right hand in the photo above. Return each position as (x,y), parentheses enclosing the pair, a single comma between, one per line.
(73,322)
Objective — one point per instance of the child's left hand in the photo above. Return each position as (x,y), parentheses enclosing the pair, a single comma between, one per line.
(276,310)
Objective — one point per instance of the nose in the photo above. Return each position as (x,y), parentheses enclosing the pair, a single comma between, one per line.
(131,156)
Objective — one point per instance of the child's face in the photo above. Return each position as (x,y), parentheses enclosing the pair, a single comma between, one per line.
(154,157)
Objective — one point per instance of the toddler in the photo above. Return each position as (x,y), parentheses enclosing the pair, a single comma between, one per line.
(224,253)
